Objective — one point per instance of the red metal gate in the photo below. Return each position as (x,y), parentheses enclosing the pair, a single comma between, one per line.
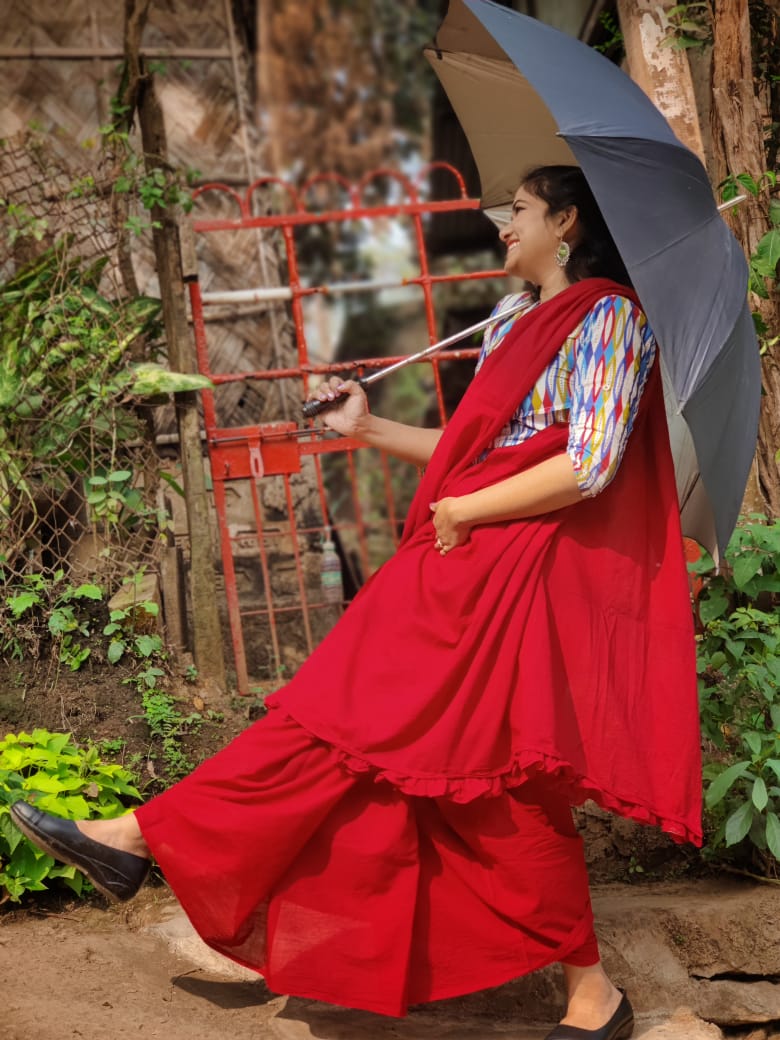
(249,455)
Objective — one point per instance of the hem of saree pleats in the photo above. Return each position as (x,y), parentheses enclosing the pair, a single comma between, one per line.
(526,765)
(479,982)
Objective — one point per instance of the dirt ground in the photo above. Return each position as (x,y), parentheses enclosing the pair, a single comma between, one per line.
(104,974)
(97,972)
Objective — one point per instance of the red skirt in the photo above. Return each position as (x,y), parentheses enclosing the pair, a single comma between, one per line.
(339,887)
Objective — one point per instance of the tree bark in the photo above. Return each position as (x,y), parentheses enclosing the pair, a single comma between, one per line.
(663,73)
(739,146)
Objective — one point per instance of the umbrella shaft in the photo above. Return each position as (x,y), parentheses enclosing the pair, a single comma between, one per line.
(442,343)
(314,407)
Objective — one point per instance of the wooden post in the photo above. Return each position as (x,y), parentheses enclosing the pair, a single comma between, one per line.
(207,635)
(663,73)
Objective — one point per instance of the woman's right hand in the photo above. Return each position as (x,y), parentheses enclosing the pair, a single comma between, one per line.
(345,417)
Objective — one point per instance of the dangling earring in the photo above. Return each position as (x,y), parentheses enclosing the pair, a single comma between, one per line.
(562,253)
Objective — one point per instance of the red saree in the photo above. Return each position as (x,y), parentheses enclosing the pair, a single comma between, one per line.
(397,830)
(560,645)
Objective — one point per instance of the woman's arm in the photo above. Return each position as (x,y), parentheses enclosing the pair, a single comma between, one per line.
(352,419)
(543,488)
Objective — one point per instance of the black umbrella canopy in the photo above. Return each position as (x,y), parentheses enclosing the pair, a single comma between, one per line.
(528,95)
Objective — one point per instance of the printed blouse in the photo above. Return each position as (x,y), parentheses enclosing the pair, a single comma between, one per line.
(594,385)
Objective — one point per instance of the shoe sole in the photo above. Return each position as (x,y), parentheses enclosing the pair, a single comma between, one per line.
(58,852)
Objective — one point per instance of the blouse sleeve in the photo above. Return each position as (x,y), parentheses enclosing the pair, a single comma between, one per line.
(495,333)
(613,357)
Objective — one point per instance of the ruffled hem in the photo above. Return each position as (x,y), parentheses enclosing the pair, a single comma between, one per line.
(525,766)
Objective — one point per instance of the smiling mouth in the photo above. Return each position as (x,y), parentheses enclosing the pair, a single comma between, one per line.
(511,246)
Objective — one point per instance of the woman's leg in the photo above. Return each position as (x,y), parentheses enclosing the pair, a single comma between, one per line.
(592,997)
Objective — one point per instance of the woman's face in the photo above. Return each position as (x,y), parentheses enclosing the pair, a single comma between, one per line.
(532,236)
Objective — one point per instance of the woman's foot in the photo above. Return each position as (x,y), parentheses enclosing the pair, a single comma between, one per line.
(114,858)
(592,998)
(596,1009)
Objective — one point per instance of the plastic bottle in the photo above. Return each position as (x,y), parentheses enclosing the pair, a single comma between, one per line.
(330,573)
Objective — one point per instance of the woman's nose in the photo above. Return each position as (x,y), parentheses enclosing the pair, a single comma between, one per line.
(505,231)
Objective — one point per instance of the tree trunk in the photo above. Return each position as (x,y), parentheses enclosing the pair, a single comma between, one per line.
(738,141)
(663,73)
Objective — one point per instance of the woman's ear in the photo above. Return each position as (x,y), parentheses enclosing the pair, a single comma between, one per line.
(566,219)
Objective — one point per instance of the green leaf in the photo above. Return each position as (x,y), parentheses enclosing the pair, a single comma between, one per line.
(147,645)
(57,743)
(773,834)
(759,795)
(723,783)
(774,212)
(116,649)
(745,567)
(22,602)
(88,592)
(767,253)
(148,380)
(753,741)
(749,183)
(713,606)
(172,482)
(738,824)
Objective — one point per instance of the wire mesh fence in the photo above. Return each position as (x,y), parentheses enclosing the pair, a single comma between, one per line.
(78,470)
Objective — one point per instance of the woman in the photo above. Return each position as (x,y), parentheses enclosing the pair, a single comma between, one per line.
(398,828)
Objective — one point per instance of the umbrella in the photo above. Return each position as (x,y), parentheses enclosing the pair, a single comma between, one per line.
(528,95)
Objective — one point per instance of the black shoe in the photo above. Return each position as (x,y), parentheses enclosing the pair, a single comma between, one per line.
(118,875)
(619,1027)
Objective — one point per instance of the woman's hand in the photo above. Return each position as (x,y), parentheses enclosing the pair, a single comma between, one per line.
(345,417)
(451,529)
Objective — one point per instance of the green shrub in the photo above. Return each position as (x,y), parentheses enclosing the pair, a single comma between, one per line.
(739,676)
(62,778)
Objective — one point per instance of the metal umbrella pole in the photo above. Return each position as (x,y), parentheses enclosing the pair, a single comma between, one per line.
(314,407)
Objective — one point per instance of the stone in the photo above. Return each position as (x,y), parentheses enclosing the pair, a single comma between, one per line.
(682,1025)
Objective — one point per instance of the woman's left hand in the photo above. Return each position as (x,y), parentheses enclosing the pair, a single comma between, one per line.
(451,531)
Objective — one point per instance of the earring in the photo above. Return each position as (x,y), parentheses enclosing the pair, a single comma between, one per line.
(562,253)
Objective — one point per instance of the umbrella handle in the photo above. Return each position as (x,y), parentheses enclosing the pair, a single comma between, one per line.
(315,407)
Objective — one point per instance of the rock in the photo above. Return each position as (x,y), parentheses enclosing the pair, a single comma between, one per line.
(711,947)
(682,1025)
(174,928)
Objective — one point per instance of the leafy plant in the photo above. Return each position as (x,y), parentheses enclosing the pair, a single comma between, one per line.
(614,45)
(165,721)
(766,255)
(36,605)
(739,668)
(62,778)
(690,26)
(66,383)
(123,637)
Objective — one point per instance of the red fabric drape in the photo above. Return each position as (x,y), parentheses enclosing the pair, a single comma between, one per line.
(340,889)
(545,661)
(560,645)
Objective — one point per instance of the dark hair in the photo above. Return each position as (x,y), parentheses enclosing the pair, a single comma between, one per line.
(596,255)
